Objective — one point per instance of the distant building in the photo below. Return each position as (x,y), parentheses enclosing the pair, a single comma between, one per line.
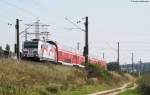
(142,67)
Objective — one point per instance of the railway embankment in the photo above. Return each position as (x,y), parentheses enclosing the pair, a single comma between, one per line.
(36,78)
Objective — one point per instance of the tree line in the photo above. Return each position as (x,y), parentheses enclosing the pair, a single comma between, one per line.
(5,52)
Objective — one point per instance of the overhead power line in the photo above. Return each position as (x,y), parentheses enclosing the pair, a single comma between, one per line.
(19,8)
(135,49)
(4,19)
(77,27)
(3,22)
(140,1)
(135,42)
(111,47)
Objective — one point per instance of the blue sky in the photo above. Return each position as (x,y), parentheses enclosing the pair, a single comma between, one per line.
(110,21)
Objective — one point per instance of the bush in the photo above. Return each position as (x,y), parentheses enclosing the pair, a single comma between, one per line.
(54,88)
(113,66)
(94,70)
(144,85)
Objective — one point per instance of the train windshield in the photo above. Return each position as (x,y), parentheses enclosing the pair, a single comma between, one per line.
(30,44)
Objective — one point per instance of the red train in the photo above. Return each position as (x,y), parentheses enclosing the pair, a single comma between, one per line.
(51,51)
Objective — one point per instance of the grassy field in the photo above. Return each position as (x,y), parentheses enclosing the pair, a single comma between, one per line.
(31,78)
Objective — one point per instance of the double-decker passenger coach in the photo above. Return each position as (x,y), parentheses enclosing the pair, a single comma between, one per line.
(45,50)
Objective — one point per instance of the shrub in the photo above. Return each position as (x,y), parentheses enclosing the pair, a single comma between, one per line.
(144,85)
(54,88)
(94,70)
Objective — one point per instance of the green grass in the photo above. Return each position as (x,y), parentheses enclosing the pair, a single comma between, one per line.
(30,78)
(131,92)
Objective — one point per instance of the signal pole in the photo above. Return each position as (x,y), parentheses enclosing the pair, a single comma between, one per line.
(140,71)
(118,57)
(17,44)
(103,55)
(86,49)
(78,46)
(132,62)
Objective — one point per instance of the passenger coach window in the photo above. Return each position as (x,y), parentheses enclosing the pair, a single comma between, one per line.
(74,57)
(60,53)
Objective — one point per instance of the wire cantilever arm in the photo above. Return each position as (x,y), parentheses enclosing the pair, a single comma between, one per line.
(77,27)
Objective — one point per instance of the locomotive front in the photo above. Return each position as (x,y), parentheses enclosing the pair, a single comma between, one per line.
(30,49)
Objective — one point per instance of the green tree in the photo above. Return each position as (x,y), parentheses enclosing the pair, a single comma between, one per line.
(7,48)
(1,49)
(113,66)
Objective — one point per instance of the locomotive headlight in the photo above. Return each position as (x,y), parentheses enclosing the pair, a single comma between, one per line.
(36,55)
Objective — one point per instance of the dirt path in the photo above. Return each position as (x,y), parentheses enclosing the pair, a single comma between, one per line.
(115,91)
